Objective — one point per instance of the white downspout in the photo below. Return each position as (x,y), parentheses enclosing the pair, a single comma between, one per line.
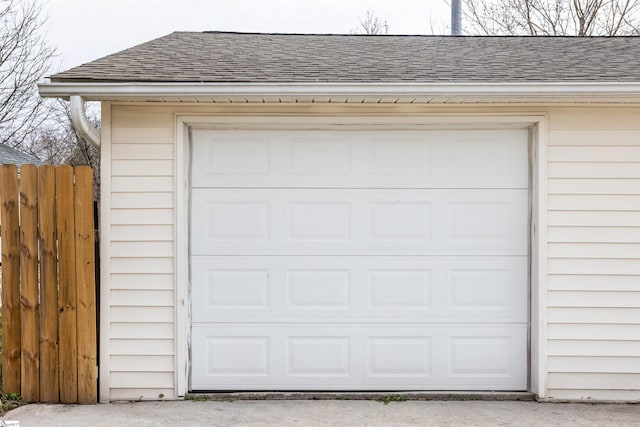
(82,124)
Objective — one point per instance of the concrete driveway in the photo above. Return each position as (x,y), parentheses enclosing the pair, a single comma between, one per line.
(328,413)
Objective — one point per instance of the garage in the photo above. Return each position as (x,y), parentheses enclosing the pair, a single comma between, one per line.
(359,259)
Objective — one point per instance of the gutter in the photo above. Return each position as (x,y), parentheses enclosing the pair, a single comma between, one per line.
(81,123)
(352,92)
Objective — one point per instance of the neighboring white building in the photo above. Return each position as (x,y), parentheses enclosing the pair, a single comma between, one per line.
(318,212)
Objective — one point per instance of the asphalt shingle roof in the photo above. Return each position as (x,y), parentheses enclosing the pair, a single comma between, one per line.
(287,58)
(11,156)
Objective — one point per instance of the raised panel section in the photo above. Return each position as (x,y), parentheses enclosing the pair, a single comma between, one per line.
(348,221)
(401,356)
(384,158)
(401,155)
(318,288)
(363,356)
(401,220)
(231,153)
(236,356)
(237,288)
(480,158)
(481,288)
(481,356)
(237,221)
(479,220)
(319,156)
(319,221)
(318,356)
(400,288)
(359,288)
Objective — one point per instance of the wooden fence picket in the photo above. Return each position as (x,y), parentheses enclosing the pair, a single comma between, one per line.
(85,276)
(11,330)
(30,362)
(49,344)
(49,389)
(67,297)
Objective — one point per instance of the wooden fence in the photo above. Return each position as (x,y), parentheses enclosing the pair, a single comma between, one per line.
(49,348)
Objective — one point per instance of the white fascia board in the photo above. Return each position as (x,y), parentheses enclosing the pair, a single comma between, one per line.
(290,92)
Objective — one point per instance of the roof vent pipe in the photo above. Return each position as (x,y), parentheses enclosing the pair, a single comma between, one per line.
(456,18)
(82,124)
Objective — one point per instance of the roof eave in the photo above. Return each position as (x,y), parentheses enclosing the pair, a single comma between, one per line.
(402,93)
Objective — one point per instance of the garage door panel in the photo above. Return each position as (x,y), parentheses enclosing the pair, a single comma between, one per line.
(407,357)
(359,259)
(359,289)
(361,159)
(289,221)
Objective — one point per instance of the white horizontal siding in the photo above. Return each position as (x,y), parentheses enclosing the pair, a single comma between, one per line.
(128,394)
(142,151)
(595,250)
(141,233)
(142,294)
(594,331)
(596,348)
(137,314)
(596,137)
(142,281)
(143,135)
(594,186)
(593,174)
(589,202)
(131,379)
(139,265)
(596,395)
(594,234)
(134,249)
(583,282)
(136,364)
(569,314)
(594,266)
(142,347)
(580,154)
(142,200)
(593,170)
(141,330)
(142,184)
(594,219)
(142,216)
(142,298)
(144,168)
(594,364)
(595,381)
(594,254)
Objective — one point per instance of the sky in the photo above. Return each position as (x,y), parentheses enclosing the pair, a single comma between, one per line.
(84,30)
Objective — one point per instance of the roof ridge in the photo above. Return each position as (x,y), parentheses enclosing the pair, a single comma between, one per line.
(503,36)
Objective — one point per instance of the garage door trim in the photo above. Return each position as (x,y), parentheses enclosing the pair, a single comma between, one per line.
(537,122)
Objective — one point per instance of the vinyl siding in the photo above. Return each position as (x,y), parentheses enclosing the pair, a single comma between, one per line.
(594,254)
(593,281)
(142,294)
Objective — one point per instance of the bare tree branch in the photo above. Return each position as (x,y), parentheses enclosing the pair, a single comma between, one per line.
(372,25)
(25,58)
(552,17)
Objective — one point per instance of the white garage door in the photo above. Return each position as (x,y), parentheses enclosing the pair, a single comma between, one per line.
(359,260)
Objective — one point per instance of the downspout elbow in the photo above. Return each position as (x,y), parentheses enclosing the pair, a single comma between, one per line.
(81,123)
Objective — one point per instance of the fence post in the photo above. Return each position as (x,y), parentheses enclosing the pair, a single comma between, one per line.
(11,336)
